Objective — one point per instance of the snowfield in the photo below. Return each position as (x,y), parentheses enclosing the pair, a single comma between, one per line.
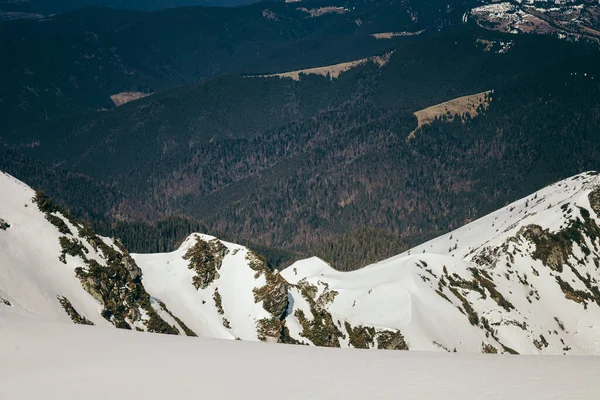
(486,287)
(168,278)
(43,360)
(31,275)
(522,280)
(46,256)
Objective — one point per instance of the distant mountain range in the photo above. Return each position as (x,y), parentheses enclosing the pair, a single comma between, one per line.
(50,7)
(264,124)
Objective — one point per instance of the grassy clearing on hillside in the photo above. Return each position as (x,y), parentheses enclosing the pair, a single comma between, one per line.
(125,97)
(331,71)
(448,109)
(390,35)
(318,12)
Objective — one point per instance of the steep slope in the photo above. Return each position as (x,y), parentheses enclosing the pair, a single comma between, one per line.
(73,191)
(225,290)
(209,283)
(53,267)
(523,279)
(57,269)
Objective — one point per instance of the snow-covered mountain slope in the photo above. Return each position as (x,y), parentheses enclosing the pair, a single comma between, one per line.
(210,284)
(571,20)
(224,290)
(523,279)
(52,361)
(53,267)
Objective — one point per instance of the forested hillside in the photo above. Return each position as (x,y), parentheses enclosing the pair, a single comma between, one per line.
(72,63)
(324,164)
(49,7)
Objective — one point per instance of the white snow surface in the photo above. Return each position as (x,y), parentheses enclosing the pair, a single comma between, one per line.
(54,361)
(542,208)
(31,275)
(394,296)
(33,278)
(400,292)
(44,355)
(167,277)
(478,288)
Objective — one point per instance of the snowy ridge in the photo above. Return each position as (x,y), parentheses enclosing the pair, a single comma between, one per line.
(168,277)
(394,297)
(32,276)
(55,268)
(523,279)
(230,292)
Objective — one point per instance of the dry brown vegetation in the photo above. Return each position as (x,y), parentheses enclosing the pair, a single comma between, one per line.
(534,24)
(460,106)
(332,71)
(125,97)
(591,31)
(317,12)
(487,44)
(390,35)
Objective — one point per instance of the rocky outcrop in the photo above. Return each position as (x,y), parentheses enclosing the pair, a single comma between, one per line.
(273,295)
(110,274)
(594,199)
(269,329)
(368,337)
(205,258)
(551,249)
(321,329)
(72,312)
(390,340)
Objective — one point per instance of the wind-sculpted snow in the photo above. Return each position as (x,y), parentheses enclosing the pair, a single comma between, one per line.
(522,280)
(56,268)
(53,361)
(242,297)
(223,305)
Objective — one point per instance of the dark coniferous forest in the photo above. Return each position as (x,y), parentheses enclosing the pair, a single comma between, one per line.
(319,166)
